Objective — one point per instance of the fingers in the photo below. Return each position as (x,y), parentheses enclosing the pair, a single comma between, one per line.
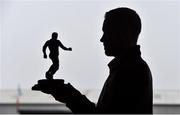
(60,91)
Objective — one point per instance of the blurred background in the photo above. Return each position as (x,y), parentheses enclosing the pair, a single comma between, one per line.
(25,25)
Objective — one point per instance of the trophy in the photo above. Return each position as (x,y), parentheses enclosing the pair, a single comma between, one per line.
(53,44)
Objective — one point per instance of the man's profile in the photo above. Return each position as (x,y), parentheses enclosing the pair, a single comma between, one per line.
(53,44)
(128,88)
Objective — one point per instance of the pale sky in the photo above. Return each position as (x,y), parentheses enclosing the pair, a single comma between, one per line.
(26,25)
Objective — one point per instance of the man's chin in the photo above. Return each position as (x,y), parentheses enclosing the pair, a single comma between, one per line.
(108,53)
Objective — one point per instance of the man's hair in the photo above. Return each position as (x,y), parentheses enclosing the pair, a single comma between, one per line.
(125,20)
(54,35)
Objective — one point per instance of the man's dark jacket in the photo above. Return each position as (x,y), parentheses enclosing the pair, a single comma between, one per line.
(128,89)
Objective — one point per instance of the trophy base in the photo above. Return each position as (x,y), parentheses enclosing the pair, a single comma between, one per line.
(47,82)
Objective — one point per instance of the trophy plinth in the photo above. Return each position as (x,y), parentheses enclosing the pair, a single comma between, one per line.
(46,82)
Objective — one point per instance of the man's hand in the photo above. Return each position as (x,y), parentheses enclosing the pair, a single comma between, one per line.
(64,93)
(45,56)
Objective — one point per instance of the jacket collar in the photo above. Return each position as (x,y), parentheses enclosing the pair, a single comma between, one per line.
(126,55)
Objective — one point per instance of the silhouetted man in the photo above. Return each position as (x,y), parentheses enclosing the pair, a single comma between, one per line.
(53,44)
(128,89)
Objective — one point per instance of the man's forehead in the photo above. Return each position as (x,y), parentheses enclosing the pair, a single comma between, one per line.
(105,23)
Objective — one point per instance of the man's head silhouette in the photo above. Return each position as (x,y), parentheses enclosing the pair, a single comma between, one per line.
(121,28)
(54,35)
